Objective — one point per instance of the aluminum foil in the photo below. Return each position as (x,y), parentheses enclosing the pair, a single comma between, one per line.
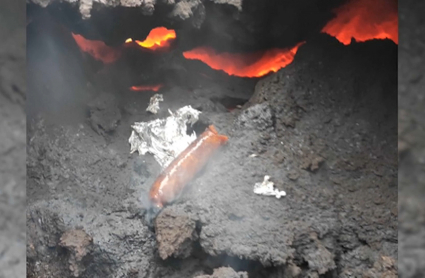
(154,103)
(267,188)
(165,138)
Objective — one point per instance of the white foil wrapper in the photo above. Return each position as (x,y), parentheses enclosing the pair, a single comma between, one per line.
(267,188)
(164,138)
(154,103)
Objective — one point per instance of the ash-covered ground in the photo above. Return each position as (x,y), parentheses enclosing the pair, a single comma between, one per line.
(412,140)
(12,139)
(324,129)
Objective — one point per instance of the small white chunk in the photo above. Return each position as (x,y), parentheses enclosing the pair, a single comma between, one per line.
(267,188)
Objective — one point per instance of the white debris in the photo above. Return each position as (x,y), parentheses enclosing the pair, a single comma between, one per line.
(253,155)
(154,103)
(164,138)
(266,188)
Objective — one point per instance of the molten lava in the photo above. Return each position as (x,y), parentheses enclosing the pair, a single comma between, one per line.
(158,38)
(97,49)
(364,20)
(154,88)
(244,65)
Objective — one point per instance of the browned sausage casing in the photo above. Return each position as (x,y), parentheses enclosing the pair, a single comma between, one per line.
(184,167)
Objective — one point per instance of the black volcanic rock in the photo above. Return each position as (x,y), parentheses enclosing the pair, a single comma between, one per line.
(226,25)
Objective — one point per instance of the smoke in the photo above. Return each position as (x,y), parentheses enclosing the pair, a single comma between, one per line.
(57,82)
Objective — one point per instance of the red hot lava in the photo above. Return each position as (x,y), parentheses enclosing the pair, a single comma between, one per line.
(158,38)
(244,65)
(364,20)
(154,88)
(241,64)
(97,49)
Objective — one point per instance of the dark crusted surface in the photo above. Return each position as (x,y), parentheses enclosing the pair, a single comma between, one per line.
(412,140)
(12,140)
(324,130)
(228,25)
(348,202)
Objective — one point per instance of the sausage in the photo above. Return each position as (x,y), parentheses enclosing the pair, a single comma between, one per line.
(171,182)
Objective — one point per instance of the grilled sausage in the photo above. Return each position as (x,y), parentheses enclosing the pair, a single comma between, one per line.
(171,182)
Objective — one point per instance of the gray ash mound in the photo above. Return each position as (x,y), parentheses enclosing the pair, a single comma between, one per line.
(324,129)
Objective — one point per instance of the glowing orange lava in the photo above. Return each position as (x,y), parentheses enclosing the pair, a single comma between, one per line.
(364,20)
(244,65)
(154,88)
(97,49)
(158,38)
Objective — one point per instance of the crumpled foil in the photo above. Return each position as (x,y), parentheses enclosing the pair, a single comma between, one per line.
(154,103)
(164,138)
(266,188)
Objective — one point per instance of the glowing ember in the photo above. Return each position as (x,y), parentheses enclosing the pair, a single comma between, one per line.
(364,20)
(154,88)
(97,49)
(158,38)
(244,65)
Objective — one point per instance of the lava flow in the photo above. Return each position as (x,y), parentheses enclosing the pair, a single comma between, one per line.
(154,88)
(158,38)
(244,65)
(97,49)
(364,20)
